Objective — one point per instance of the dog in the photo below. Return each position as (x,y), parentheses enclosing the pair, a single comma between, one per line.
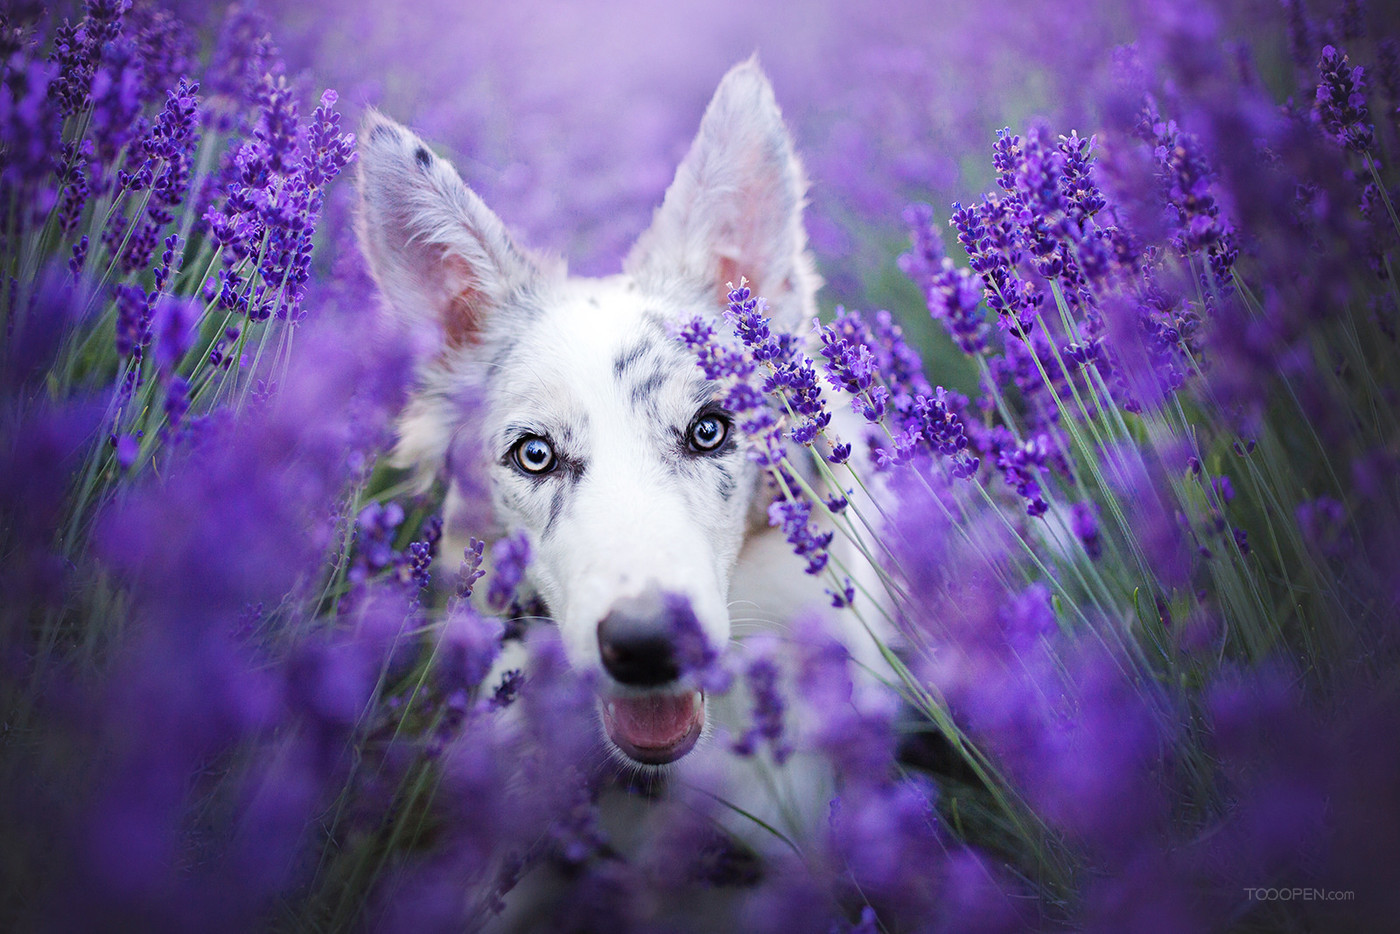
(603,441)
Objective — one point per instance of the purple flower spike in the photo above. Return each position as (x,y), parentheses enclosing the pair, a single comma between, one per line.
(177,405)
(1188,185)
(1019,465)
(329,151)
(988,233)
(747,315)
(954,297)
(419,554)
(173,325)
(1082,196)
(852,367)
(116,99)
(792,517)
(377,523)
(470,571)
(761,675)
(1340,103)
(509,557)
(1084,522)
(697,658)
(953,294)
(128,448)
(1323,522)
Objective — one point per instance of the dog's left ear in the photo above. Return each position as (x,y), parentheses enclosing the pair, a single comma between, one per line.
(734,209)
(442,259)
(449,271)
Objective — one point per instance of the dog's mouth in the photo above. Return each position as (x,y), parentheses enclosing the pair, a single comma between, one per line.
(655,728)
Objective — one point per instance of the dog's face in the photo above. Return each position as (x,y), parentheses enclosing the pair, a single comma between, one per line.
(600,436)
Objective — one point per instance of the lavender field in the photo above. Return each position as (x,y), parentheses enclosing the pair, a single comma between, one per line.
(1112,291)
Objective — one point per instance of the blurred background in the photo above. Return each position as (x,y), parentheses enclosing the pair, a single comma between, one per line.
(569,117)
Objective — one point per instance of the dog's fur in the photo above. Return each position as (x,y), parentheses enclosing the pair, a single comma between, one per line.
(592,366)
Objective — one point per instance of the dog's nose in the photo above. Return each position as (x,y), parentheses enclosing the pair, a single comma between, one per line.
(637,639)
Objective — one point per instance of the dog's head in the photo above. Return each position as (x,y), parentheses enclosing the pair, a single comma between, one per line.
(601,438)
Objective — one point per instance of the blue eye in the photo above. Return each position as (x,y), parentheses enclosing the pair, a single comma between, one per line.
(708,433)
(534,455)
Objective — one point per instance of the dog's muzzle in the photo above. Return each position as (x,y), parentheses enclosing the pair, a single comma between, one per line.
(651,717)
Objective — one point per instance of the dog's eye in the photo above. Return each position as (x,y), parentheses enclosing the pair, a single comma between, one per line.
(534,455)
(708,433)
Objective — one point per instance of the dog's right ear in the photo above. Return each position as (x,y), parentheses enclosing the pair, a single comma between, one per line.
(442,259)
(734,210)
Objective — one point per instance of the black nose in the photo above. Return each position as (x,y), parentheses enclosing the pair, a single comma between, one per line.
(637,639)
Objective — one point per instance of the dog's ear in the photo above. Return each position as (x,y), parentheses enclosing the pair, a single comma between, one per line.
(734,209)
(442,259)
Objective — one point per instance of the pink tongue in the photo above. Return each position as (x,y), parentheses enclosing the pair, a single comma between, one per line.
(657,721)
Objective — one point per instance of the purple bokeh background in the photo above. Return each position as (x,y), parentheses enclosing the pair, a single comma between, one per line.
(569,118)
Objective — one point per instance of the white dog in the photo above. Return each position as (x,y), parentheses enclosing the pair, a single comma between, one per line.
(605,442)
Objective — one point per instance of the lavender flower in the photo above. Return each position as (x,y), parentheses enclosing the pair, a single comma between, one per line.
(468,645)
(127,449)
(172,141)
(328,151)
(1019,464)
(79,257)
(1187,180)
(789,384)
(951,292)
(1082,195)
(30,125)
(376,525)
(509,557)
(1084,522)
(75,197)
(420,553)
(844,597)
(243,54)
(695,656)
(164,45)
(852,367)
(470,572)
(134,310)
(715,359)
(117,93)
(941,427)
(176,407)
(791,377)
(1324,526)
(761,676)
(1340,104)
(793,517)
(993,250)
(901,367)
(272,199)
(78,49)
(173,323)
